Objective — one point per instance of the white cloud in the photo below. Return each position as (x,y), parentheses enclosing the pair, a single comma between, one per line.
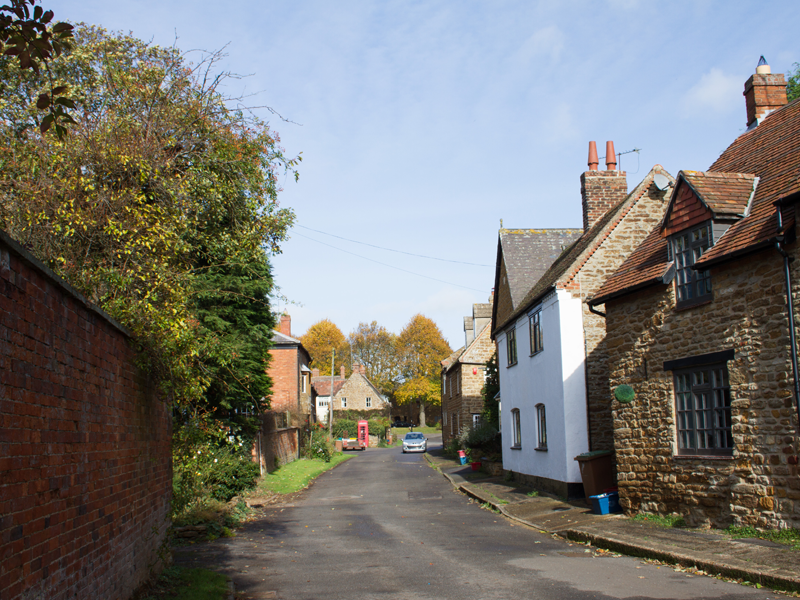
(716,92)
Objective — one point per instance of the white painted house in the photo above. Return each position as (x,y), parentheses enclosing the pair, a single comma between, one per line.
(551,353)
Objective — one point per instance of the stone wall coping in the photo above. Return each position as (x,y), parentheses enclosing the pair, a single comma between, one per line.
(20,251)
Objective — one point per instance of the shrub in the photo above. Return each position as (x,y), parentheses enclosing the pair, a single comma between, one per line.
(320,447)
(475,437)
(344,428)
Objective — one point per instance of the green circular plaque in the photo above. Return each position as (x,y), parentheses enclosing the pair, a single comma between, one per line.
(624,393)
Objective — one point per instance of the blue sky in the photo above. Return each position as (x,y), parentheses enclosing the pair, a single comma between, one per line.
(422,124)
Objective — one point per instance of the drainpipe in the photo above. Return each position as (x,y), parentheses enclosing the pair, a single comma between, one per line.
(593,310)
(790,307)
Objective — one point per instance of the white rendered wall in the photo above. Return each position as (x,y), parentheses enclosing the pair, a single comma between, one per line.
(554,377)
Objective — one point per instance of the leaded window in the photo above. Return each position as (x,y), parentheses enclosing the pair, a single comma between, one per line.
(691,287)
(703,410)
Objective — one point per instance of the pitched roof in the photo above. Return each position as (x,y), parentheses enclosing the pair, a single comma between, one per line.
(567,265)
(528,253)
(279,338)
(452,359)
(723,193)
(770,153)
(475,353)
(323,386)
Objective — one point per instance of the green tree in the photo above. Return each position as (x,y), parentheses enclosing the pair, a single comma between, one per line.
(793,83)
(321,340)
(421,348)
(375,347)
(162,197)
(491,407)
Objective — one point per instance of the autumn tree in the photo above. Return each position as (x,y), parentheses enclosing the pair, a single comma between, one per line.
(321,339)
(375,347)
(421,348)
(161,207)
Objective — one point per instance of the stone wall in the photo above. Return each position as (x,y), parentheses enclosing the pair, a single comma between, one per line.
(275,444)
(626,236)
(760,483)
(357,389)
(84,445)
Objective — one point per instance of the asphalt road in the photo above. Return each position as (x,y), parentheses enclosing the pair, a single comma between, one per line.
(386,525)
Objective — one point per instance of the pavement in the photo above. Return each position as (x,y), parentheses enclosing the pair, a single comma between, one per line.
(757,561)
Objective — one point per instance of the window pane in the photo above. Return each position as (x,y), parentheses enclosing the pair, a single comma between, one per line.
(703,410)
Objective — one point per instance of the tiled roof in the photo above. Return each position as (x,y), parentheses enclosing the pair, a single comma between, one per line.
(645,266)
(723,193)
(323,387)
(528,253)
(452,359)
(771,151)
(567,265)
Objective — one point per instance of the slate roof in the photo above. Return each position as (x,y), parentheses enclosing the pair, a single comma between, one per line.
(528,253)
(770,152)
(571,260)
(279,338)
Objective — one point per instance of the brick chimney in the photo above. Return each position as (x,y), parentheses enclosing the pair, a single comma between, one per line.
(763,93)
(601,190)
(341,371)
(314,372)
(286,325)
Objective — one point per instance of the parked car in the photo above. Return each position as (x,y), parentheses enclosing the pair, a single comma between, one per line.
(414,441)
(401,424)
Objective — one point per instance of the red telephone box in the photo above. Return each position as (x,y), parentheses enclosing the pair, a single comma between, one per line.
(363,434)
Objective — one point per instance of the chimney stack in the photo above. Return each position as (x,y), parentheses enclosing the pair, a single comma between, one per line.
(285,326)
(314,372)
(341,371)
(469,331)
(763,93)
(601,190)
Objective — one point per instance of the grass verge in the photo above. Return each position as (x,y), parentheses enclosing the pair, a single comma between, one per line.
(789,537)
(296,475)
(180,583)
(660,520)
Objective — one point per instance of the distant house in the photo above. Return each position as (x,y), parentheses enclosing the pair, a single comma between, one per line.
(321,385)
(463,374)
(699,330)
(550,349)
(354,393)
(290,373)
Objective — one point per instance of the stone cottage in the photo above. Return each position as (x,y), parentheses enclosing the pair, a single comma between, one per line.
(354,393)
(463,374)
(700,340)
(550,351)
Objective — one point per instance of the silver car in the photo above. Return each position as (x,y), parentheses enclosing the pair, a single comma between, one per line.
(415,442)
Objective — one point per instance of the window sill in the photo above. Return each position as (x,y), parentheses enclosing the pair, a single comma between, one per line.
(536,353)
(541,449)
(511,365)
(689,304)
(703,456)
(516,447)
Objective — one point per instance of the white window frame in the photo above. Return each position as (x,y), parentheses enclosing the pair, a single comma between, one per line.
(369,402)
(344,402)
(476,419)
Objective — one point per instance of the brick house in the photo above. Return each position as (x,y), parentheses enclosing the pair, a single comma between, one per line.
(698,327)
(550,349)
(291,376)
(463,374)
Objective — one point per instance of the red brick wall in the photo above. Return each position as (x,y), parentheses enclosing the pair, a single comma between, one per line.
(285,373)
(85,461)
